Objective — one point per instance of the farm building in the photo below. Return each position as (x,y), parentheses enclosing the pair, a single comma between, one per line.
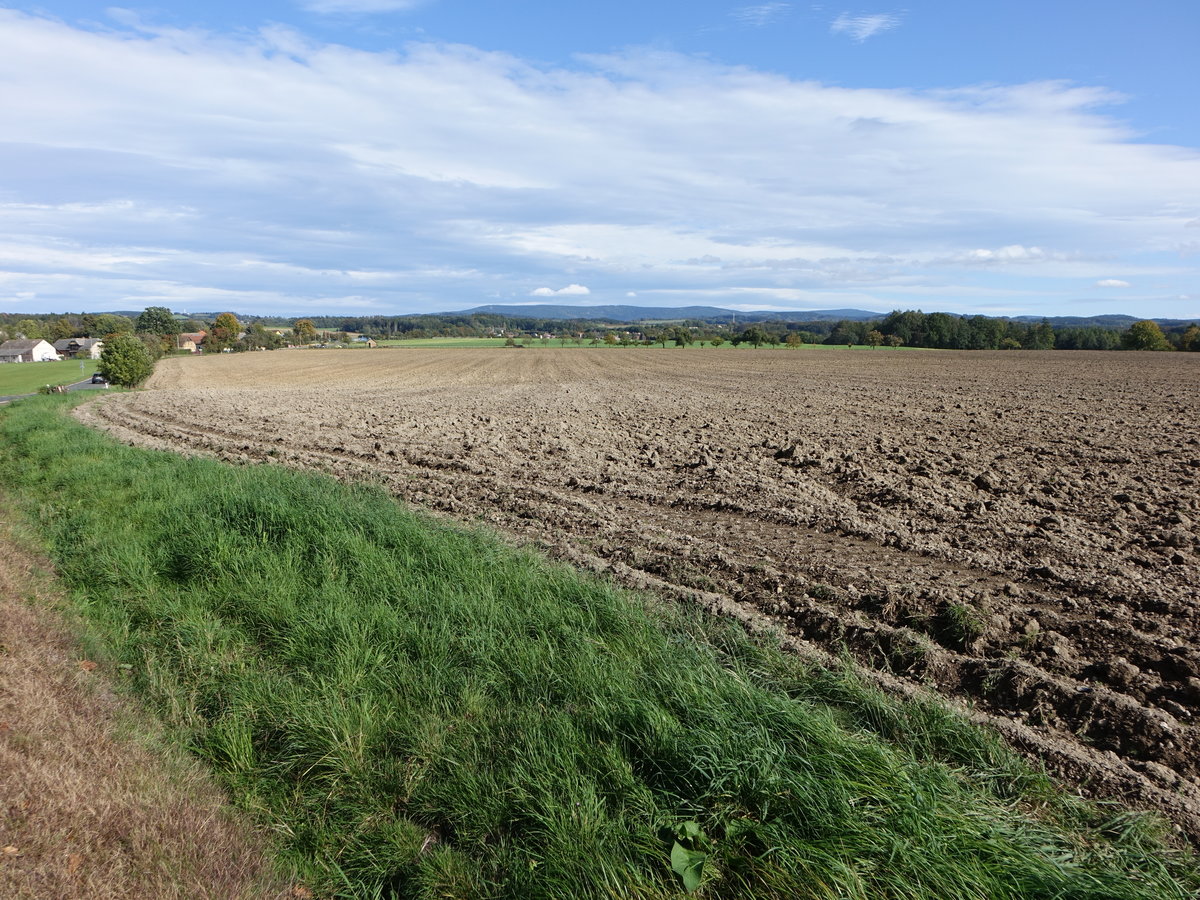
(27,351)
(79,348)
(190,341)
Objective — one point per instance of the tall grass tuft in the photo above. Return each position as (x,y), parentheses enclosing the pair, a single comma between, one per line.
(421,711)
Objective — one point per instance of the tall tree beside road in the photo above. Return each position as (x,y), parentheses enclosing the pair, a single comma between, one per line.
(126,361)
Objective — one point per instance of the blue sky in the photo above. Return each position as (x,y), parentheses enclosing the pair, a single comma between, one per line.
(396,156)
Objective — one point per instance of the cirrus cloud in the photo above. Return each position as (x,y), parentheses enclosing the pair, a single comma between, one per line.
(760,15)
(859,28)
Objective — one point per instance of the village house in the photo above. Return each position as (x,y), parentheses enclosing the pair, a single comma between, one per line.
(190,341)
(79,348)
(27,351)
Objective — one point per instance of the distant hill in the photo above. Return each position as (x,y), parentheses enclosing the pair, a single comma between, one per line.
(1109,320)
(668,313)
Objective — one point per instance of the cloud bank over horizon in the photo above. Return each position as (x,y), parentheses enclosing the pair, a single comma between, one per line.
(272,172)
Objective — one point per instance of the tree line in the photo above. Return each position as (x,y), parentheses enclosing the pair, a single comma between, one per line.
(910,328)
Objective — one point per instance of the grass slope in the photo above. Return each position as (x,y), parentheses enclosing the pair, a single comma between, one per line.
(424,712)
(89,810)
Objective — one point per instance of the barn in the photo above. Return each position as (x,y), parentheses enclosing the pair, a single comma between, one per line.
(27,351)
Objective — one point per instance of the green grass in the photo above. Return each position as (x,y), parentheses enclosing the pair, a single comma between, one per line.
(25,378)
(419,711)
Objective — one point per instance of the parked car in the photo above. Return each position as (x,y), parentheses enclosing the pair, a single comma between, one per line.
(99,379)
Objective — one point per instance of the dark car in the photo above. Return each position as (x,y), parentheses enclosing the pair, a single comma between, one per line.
(99,379)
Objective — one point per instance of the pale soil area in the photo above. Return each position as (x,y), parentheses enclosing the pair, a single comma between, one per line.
(1015,530)
(86,810)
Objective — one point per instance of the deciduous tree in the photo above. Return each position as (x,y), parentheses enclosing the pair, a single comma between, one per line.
(304,331)
(125,361)
(156,320)
(1190,340)
(110,323)
(1145,335)
(223,334)
(682,336)
(752,335)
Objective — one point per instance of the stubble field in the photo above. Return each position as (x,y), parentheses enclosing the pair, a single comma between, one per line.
(1015,530)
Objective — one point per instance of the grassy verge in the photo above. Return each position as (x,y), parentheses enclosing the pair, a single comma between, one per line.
(94,803)
(25,378)
(420,711)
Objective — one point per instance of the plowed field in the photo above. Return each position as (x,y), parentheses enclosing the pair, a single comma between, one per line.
(1015,530)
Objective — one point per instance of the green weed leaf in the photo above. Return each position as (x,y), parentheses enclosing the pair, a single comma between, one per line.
(688,865)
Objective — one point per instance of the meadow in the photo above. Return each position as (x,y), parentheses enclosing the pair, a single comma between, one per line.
(25,378)
(418,709)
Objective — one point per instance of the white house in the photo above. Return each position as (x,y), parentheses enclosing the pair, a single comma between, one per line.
(27,351)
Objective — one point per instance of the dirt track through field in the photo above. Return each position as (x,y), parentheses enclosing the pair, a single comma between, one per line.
(1015,530)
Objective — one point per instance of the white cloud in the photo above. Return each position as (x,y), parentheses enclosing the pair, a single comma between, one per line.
(859,28)
(1112,283)
(571,290)
(760,15)
(285,171)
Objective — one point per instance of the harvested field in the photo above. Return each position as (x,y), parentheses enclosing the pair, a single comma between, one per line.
(1016,530)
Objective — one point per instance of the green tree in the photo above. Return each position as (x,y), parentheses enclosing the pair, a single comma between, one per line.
(717,340)
(60,329)
(1145,335)
(30,329)
(752,335)
(610,338)
(874,338)
(125,361)
(156,344)
(1190,340)
(223,333)
(156,320)
(1040,337)
(110,323)
(259,338)
(682,336)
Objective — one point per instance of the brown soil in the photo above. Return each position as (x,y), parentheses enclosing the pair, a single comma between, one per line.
(1018,531)
(87,811)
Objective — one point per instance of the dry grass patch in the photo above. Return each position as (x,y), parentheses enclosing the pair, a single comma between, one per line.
(86,810)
